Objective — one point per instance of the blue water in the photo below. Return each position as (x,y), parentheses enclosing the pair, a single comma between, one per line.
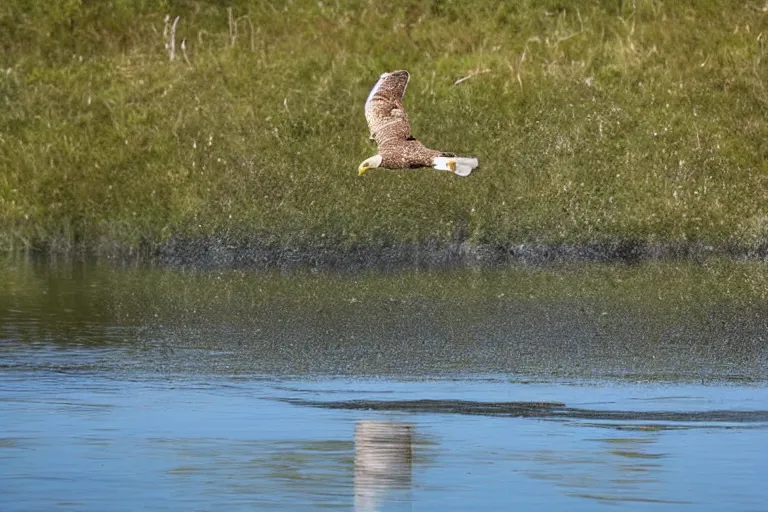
(92,442)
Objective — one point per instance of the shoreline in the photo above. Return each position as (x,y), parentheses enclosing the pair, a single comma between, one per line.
(217,253)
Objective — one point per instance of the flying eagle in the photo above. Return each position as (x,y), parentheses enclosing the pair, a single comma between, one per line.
(389,127)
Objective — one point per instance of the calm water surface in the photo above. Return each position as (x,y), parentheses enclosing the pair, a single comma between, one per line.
(576,388)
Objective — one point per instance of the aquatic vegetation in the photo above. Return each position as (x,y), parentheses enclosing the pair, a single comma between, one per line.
(660,321)
(126,124)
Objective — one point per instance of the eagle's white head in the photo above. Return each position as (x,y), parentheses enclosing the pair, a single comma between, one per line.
(369,163)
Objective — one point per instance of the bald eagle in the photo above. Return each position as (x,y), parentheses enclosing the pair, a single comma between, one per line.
(389,127)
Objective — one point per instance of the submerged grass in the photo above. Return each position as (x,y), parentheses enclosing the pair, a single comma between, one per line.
(659,321)
(593,120)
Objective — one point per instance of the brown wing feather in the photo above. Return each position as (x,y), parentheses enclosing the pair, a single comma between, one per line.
(384,109)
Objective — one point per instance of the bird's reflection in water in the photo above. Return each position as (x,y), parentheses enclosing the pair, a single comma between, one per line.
(383,463)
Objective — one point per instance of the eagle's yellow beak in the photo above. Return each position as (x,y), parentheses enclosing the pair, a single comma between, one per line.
(361,170)
(452,165)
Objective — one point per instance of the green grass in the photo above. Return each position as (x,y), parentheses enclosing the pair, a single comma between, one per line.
(593,121)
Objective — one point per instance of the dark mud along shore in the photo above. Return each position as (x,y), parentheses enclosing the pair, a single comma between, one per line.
(215,252)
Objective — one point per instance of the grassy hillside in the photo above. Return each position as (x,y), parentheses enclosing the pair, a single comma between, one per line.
(593,121)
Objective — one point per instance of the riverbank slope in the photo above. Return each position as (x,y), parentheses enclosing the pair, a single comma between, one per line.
(629,128)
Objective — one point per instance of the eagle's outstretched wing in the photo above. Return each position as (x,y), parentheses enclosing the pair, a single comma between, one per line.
(384,109)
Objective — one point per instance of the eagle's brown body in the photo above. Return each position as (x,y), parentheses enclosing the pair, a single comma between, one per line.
(391,130)
(409,155)
(390,127)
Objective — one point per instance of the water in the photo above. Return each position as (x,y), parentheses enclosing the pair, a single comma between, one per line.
(575,388)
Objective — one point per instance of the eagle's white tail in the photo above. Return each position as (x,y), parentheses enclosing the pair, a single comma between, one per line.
(459,165)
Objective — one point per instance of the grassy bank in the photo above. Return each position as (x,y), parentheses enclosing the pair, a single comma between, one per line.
(593,121)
